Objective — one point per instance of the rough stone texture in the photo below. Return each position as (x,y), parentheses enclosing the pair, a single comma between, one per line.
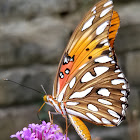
(30,9)
(41,40)
(33,77)
(133,67)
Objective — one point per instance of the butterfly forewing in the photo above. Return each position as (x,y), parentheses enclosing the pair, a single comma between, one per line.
(84,43)
(89,79)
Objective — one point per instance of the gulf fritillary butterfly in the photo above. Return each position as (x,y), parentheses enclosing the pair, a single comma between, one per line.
(89,84)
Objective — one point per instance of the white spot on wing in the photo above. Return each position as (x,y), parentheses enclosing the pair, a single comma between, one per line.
(105,11)
(87,77)
(108,3)
(104,41)
(103,59)
(105,121)
(115,120)
(88,23)
(94,8)
(101,28)
(123,99)
(72,103)
(60,97)
(118,70)
(104,92)
(75,113)
(113,113)
(121,75)
(104,102)
(92,107)
(81,94)
(100,70)
(117,81)
(72,82)
(93,117)
(124,92)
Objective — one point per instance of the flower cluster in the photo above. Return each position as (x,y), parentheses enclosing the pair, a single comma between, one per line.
(44,131)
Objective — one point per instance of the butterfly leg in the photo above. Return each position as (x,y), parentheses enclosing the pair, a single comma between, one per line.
(66,127)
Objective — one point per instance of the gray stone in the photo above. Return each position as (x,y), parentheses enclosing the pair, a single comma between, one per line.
(33,77)
(30,9)
(42,40)
(133,67)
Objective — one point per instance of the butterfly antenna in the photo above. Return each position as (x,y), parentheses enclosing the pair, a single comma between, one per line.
(22,85)
(43,89)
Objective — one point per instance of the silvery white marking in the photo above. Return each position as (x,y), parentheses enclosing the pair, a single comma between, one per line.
(124,86)
(56,106)
(124,92)
(110,49)
(117,81)
(81,94)
(75,113)
(123,99)
(60,97)
(105,11)
(104,102)
(101,28)
(106,44)
(108,3)
(88,23)
(123,113)
(87,77)
(115,120)
(82,66)
(103,59)
(65,60)
(104,41)
(123,106)
(94,12)
(104,92)
(113,113)
(72,82)
(94,8)
(72,103)
(105,121)
(63,108)
(113,62)
(100,70)
(121,75)
(93,117)
(118,70)
(92,107)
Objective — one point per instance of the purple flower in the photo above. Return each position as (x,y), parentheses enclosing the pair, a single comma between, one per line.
(44,131)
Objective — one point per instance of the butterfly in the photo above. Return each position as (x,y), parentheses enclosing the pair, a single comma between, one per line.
(89,85)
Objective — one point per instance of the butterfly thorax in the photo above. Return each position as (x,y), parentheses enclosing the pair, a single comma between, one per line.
(58,106)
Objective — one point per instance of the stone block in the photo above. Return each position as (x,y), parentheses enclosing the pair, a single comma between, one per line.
(32,8)
(133,67)
(33,77)
(40,41)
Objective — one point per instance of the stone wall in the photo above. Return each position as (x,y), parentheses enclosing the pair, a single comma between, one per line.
(33,35)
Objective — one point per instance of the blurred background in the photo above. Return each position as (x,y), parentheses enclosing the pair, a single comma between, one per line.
(33,35)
